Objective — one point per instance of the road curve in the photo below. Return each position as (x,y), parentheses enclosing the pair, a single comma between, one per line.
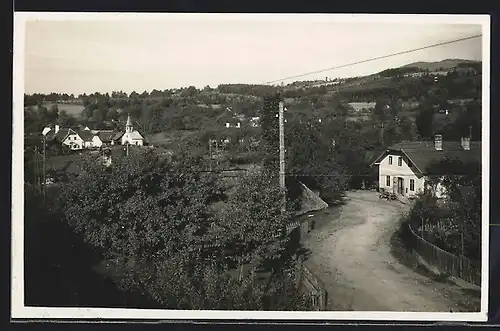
(351,254)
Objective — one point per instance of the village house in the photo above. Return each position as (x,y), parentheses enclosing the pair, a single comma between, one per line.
(106,137)
(64,136)
(402,168)
(87,138)
(254,121)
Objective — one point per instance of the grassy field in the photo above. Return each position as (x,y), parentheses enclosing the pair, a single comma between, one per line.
(162,138)
(71,109)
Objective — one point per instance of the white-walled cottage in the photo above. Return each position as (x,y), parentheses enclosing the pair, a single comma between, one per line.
(87,137)
(402,167)
(65,136)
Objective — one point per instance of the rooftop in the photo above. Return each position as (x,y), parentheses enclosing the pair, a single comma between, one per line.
(423,153)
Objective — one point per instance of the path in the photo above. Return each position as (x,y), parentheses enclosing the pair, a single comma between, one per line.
(351,254)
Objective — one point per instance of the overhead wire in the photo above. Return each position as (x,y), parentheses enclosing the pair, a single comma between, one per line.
(372,81)
(373,59)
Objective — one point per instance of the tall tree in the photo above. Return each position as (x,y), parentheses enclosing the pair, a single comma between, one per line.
(269,122)
(424,122)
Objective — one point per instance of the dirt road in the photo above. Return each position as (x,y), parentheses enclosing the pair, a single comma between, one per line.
(351,254)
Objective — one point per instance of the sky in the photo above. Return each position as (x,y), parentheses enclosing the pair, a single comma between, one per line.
(134,53)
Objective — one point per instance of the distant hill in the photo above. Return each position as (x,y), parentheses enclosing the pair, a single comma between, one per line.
(440,65)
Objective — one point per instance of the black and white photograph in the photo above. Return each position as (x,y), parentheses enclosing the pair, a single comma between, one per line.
(250,166)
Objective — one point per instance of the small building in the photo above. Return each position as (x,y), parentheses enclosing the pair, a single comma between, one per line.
(233,124)
(106,137)
(65,136)
(254,121)
(402,168)
(131,136)
(87,137)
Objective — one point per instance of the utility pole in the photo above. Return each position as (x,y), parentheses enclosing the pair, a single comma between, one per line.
(282,153)
(382,133)
(35,168)
(210,152)
(44,168)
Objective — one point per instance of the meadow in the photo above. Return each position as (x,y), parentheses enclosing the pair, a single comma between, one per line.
(70,109)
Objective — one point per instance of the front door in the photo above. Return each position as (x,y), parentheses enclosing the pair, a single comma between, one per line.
(401,186)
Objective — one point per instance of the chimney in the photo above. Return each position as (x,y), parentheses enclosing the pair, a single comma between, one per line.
(56,129)
(438,142)
(465,143)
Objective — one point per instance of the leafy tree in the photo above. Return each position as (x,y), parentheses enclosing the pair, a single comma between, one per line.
(462,182)
(311,158)
(252,224)
(66,120)
(270,133)
(424,122)
(155,219)
(142,206)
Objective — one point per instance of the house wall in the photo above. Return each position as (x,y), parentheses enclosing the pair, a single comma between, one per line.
(96,141)
(127,138)
(404,171)
(74,140)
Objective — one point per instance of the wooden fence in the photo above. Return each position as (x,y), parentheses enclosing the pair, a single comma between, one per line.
(445,262)
(313,286)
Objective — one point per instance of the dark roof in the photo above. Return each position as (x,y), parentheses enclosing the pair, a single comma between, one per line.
(118,135)
(423,153)
(62,133)
(106,136)
(86,135)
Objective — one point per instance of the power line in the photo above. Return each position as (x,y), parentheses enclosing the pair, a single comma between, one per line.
(374,59)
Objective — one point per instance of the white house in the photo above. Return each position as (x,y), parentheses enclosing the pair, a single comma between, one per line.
(86,136)
(96,141)
(64,136)
(131,136)
(402,168)
(254,121)
(233,125)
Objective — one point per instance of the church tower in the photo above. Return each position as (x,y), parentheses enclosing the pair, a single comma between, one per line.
(129,127)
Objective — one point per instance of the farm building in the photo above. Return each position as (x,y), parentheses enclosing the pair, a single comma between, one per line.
(64,136)
(402,168)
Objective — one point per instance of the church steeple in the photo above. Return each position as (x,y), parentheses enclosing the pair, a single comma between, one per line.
(129,127)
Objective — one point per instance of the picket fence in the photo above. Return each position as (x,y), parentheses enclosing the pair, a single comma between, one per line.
(445,262)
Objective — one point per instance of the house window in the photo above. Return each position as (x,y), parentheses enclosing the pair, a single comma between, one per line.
(390,159)
(400,161)
(387,180)
(412,184)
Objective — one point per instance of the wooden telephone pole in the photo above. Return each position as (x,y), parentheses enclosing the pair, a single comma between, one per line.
(44,168)
(282,153)
(210,153)
(382,133)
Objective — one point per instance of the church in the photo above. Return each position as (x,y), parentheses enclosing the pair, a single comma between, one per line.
(130,136)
